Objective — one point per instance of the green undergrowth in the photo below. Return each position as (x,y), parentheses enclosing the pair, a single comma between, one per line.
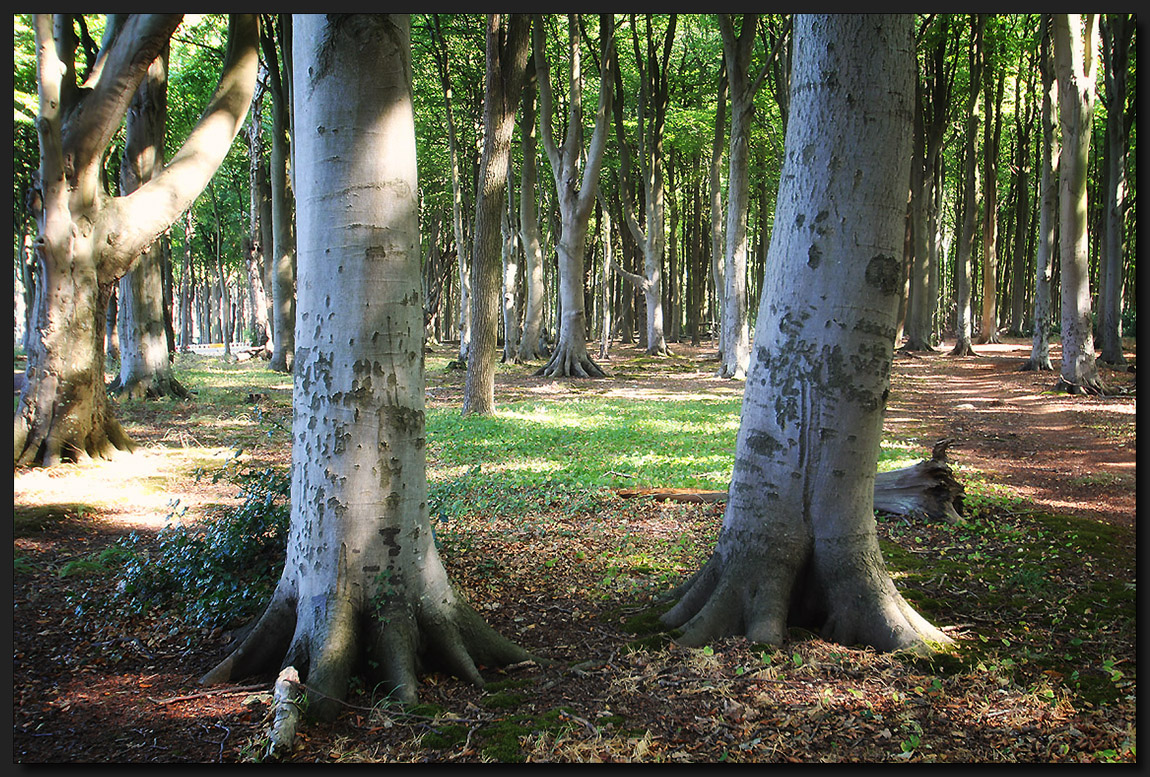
(1036,600)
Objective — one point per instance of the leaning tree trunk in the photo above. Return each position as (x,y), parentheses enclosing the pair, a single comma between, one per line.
(88,239)
(799,544)
(363,587)
(1075,56)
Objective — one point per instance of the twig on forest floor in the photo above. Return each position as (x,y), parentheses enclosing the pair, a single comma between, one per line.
(229,691)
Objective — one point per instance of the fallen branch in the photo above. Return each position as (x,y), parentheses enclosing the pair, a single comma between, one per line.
(286,698)
(927,489)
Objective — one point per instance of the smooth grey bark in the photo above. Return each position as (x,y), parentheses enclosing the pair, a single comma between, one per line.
(531,345)
(283,249)
(461,247)
(1076,62)
(508,39)
(255,246)
(1047,204)
(1117,32)
(187,286)
(651,112)
(991,135)
(715,190)
(511,328)
(145,367)
(798,544)
(363,590)
(575,192)
(605,284)
(1023,216)
(737,50)
(963,324)
(89,239)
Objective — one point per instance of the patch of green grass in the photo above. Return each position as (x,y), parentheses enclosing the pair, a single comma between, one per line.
(571,454)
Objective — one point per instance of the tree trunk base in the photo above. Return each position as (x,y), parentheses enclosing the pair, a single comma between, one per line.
(1036,365)
(1088,388)
(963,349)
(570,362)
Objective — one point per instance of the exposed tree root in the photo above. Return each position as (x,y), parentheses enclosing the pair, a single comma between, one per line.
(570,361)
(1089,388)
(837,587)
(389,644)
(963,349)
(1036,365)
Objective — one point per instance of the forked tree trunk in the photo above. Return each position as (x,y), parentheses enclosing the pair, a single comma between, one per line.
(798,544)
(87,239)
(575,193)
(363,588)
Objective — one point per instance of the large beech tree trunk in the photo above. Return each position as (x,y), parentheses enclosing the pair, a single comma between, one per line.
(798,544)
(363,587)
(87,238)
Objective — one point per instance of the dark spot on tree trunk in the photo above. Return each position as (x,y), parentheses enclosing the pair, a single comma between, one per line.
(884,273)
(764,444)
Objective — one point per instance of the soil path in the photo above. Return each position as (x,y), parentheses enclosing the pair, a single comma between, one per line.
(1068,454)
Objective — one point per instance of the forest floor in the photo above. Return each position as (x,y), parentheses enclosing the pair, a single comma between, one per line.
(1036,676)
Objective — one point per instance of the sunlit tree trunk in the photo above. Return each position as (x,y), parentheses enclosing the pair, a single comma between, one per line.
(1076,60)
(363,590)
(992,99)
(508,46)
(798,545)
(87,238)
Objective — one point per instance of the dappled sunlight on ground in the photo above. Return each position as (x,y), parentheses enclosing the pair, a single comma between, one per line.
(135,488)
